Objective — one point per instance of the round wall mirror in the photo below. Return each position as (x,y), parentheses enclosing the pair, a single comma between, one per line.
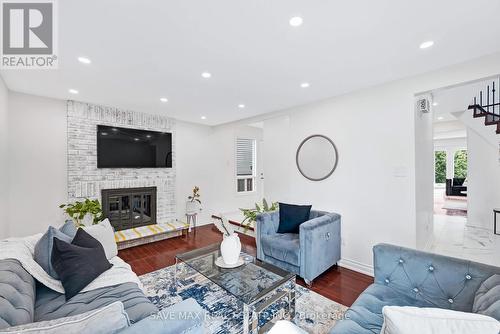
(316,157)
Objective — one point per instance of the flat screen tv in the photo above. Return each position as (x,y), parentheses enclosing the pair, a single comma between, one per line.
(132,148)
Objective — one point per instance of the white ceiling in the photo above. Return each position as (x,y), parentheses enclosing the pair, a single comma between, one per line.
(144,50)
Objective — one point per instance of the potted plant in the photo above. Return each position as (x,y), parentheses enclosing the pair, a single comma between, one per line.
(251,214)
(193,203)
(230,247)
(84,213)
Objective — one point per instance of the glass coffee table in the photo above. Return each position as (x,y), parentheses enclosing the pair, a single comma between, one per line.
(255,284)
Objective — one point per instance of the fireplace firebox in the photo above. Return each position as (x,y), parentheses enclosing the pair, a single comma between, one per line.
(129,207)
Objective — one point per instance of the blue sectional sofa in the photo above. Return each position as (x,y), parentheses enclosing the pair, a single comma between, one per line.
(23,301)
(407,277)
(309,253)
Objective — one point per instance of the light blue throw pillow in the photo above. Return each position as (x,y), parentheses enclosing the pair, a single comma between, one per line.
(487,299)
(69,228)
(108,319)
(43,248)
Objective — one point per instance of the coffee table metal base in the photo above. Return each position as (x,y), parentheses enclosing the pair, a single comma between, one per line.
(251,311)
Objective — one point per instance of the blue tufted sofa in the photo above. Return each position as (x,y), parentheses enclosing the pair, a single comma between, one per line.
(23,300)
(309,253)
(407,277)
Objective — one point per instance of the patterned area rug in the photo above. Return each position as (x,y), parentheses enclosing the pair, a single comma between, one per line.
(314,313)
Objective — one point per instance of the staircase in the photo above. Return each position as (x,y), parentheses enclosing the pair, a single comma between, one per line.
(490,111)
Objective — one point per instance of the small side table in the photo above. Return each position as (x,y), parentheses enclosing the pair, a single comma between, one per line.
(191,217)
(495,212)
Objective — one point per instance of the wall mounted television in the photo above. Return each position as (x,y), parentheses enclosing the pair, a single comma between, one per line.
(133,148)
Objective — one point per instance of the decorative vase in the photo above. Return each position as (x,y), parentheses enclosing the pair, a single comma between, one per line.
(230,249)
(191,207)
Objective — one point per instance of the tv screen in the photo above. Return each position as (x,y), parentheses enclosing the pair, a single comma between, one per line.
(131,148)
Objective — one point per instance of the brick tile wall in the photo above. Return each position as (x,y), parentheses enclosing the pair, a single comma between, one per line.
(85,180)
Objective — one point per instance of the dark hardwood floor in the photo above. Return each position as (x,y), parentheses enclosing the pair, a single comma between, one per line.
(339,284)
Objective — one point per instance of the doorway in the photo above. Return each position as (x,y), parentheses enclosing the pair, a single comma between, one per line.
(464,151)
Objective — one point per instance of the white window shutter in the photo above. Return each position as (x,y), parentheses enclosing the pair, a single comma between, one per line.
(245,152)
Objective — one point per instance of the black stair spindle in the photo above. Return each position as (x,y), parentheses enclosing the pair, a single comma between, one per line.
(493,92)
(489,109)
(488,99)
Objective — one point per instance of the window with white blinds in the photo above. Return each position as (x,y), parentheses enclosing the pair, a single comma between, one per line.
(245,164)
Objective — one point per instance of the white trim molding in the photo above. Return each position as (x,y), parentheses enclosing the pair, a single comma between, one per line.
(356,266)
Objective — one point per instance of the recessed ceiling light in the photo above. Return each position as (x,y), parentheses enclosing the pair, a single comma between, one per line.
(136,139)
(426,44)
(206,75)
(440,118)
(296,21)
(114,129)
(104,133)
(163,99)
(305,84)
(435,104)
(84,60)
(148,136)
(203,117)
(73,91)
(241,106)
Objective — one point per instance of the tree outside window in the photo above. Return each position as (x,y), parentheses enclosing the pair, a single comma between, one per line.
(440,166)
(460,159)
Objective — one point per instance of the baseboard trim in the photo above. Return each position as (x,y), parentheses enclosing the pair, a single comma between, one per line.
(356,266)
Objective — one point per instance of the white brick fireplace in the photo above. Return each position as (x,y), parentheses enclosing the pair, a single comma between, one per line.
(85,180)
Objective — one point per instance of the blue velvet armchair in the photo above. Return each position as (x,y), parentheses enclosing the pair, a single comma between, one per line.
(309,253)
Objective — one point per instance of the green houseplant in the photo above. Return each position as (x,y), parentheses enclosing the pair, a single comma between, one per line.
(78,210)
(251,214)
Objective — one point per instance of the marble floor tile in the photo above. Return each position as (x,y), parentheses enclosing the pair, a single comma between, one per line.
(453,237)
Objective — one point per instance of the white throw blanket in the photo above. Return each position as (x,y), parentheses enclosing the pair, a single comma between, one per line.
(23,249)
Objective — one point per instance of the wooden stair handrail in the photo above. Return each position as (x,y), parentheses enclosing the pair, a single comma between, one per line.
(477,106)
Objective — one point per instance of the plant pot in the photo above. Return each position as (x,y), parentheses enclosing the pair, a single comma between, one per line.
(230,249)
(191,207)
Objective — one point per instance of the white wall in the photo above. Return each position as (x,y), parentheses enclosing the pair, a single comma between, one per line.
(277,157)
(375,185)
(194,167)
(483,176)
(4,94)
(375,205)
(424,174)
(222,149)
(37,162)
(206,158)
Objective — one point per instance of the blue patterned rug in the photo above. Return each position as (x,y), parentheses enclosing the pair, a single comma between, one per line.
(314,313)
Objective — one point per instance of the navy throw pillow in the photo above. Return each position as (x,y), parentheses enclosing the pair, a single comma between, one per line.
(78,263)
(291,216)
